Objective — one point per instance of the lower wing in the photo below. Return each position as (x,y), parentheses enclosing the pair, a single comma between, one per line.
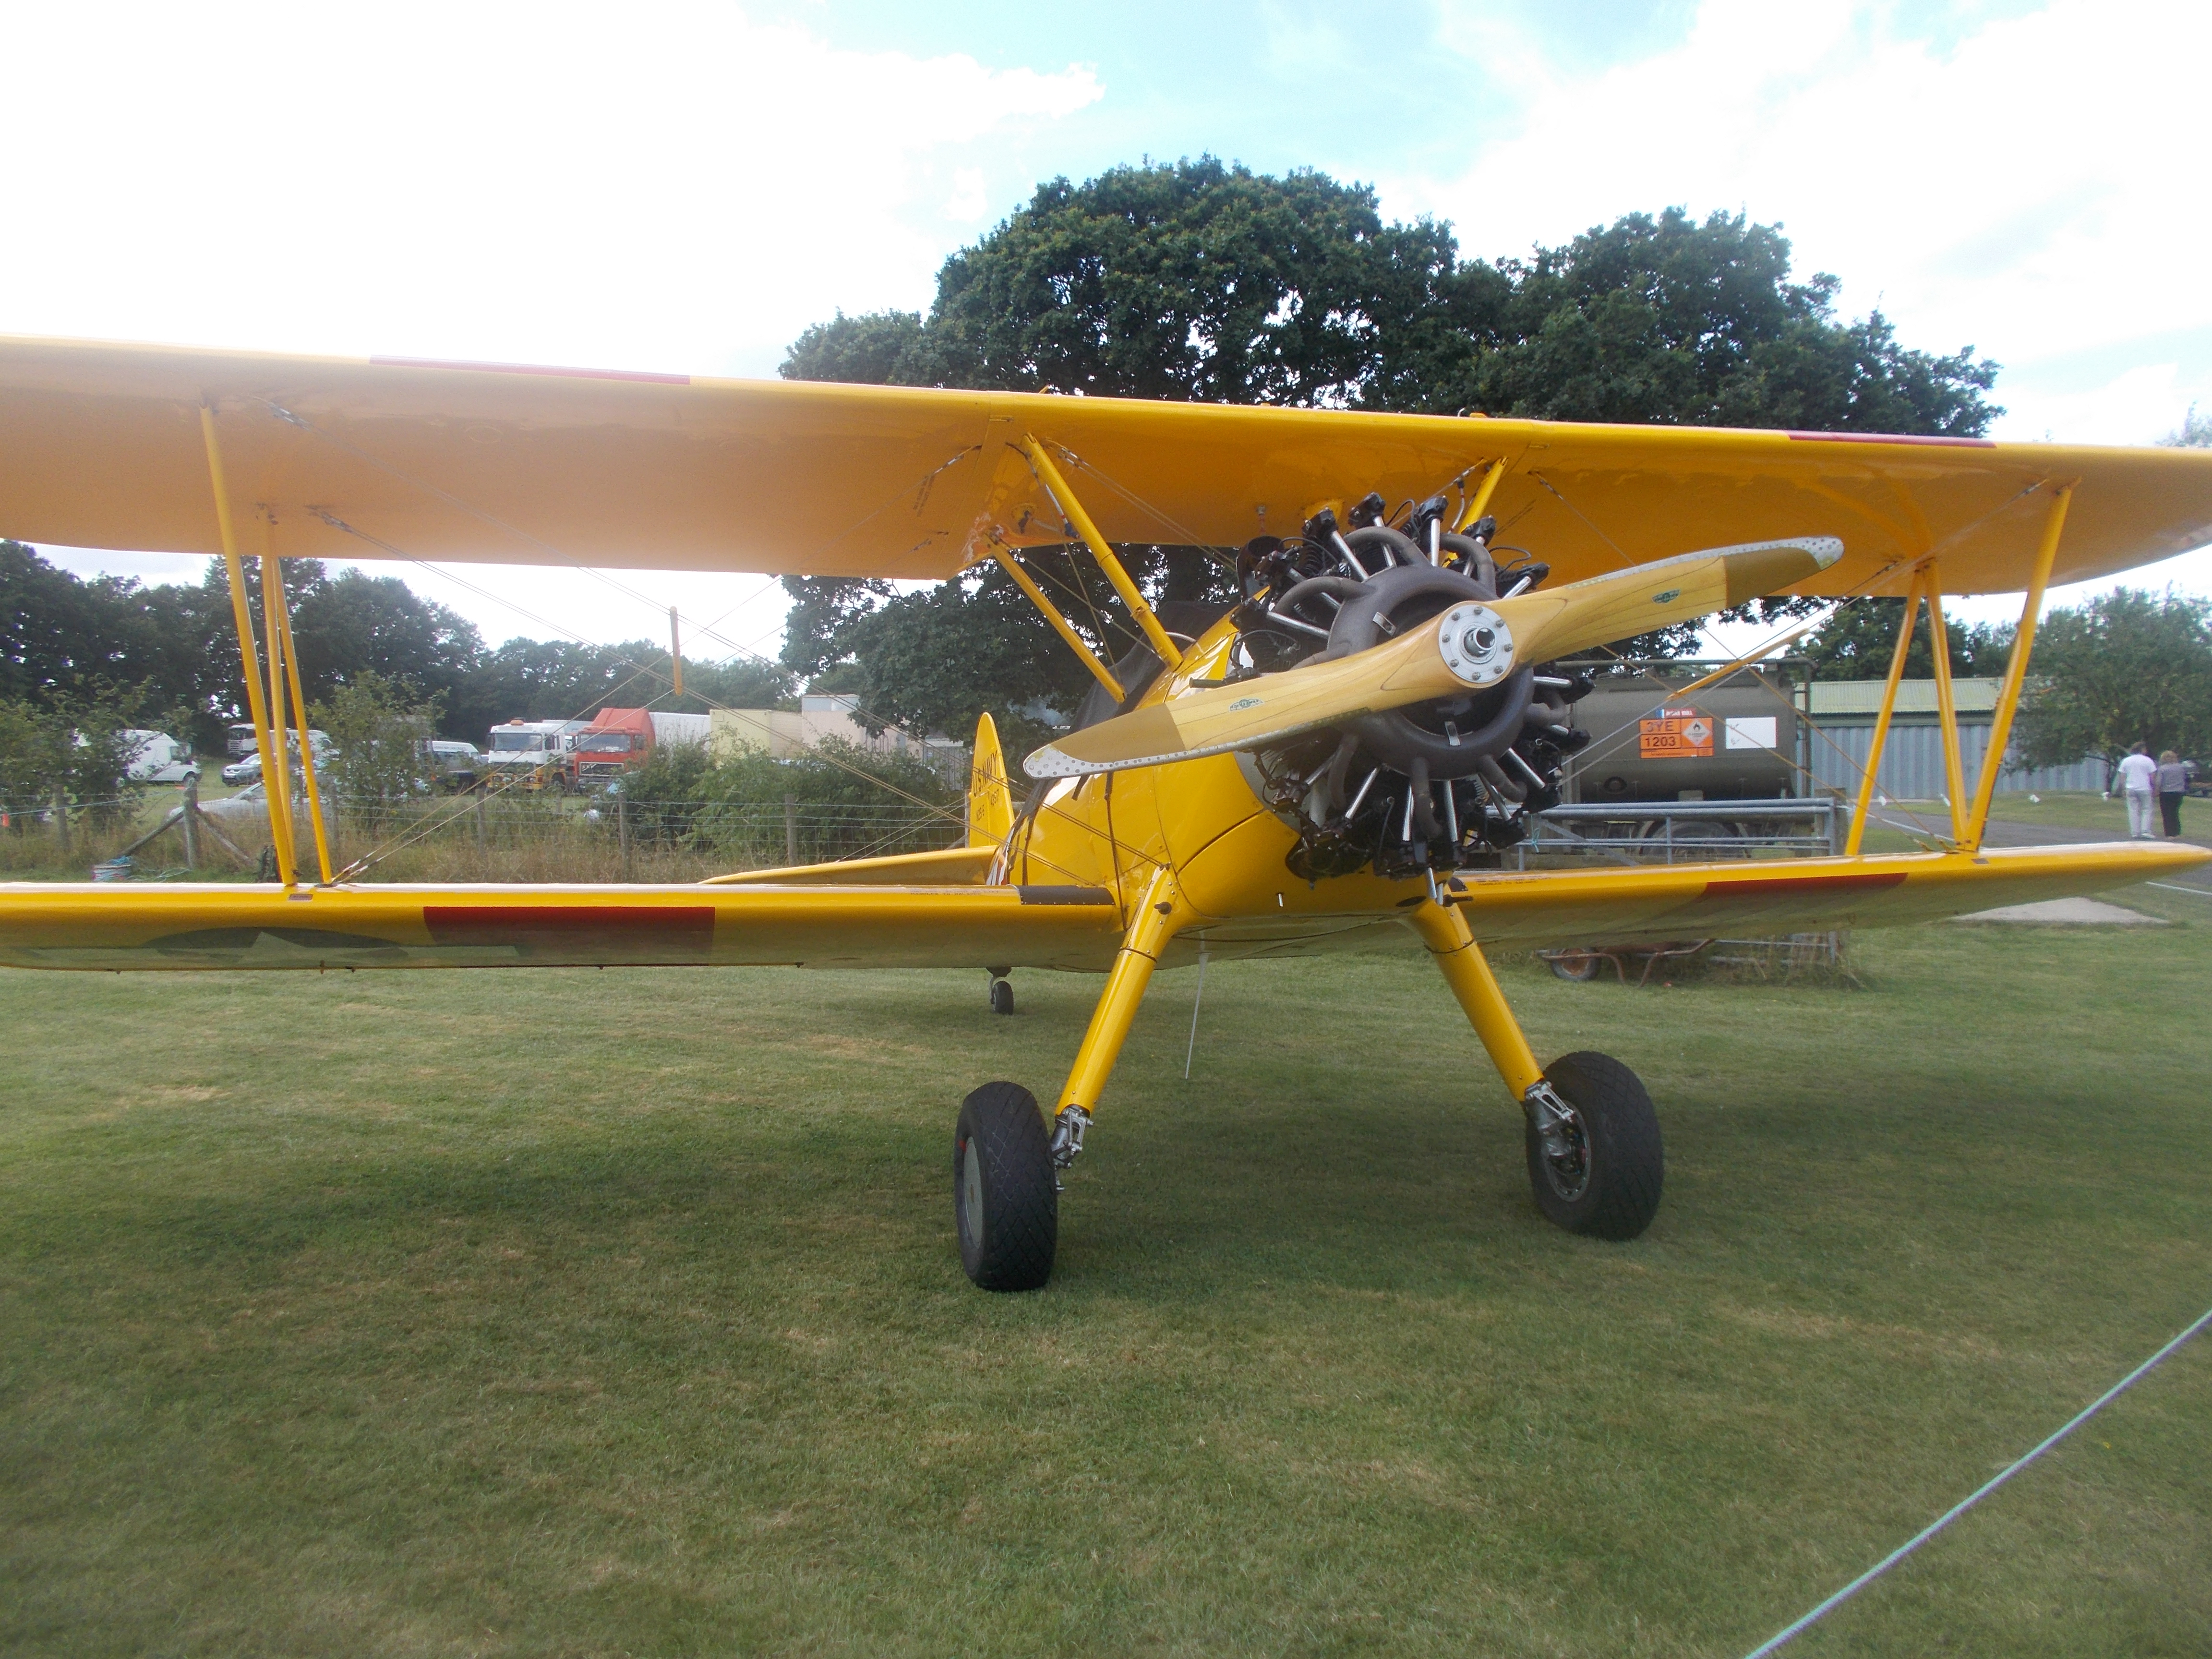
(798,922)
(1703,901)
(187,927)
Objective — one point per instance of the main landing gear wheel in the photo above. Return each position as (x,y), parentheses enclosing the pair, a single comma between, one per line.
(1004,1195)
(1002,996)
(1598,1171)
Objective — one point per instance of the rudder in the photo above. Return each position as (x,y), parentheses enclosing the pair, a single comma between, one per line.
(990,802)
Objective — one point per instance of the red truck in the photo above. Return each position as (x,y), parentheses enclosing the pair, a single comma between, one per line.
(615,740)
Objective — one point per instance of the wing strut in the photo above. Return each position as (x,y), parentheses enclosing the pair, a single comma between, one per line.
(1064,498)
(1488,487)
(1006,557)
(284,666)
(281,643)
(1947,706)
(1969,820)
(2031,612)
(1909,624)
(248,654)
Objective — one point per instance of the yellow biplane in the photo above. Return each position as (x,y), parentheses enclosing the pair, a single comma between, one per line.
(1337,760)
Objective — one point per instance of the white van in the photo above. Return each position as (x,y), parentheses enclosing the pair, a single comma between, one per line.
(157,758)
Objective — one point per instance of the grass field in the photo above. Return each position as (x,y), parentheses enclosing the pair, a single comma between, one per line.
(584,1313)
(2064,811)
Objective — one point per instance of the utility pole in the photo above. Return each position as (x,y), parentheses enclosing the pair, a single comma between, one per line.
(186,822)
(621,830)
(61,817)
(790,830)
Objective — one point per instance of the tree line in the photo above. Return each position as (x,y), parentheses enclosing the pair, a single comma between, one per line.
(166,655)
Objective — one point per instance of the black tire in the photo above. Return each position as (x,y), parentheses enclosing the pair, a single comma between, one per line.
(1612,1189)
(1002,997)
(1006,1201)
(1576,965)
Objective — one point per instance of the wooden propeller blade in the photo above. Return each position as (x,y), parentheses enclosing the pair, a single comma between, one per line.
(1273,708)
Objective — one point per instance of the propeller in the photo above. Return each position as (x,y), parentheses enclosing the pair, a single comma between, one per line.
(1470,646)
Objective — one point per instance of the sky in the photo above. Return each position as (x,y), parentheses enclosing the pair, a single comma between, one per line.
(686,186)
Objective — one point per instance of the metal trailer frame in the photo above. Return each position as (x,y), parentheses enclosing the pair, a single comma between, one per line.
(1685,827)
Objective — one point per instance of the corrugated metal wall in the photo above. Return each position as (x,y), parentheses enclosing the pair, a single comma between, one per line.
(1913,762)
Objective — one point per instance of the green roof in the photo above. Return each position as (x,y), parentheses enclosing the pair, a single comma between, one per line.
(1842,699)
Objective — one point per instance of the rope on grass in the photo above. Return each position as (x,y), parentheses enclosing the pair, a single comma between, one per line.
(1983,1490)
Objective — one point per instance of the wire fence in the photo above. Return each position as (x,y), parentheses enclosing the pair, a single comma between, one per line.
(516,838)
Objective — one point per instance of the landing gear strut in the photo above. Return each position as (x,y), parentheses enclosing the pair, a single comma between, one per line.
(1595,1160)
(1006,1159)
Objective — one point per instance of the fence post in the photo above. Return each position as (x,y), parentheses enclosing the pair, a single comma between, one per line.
(61,817)
(483,841)
(790,830)
(621,830)
(184,822)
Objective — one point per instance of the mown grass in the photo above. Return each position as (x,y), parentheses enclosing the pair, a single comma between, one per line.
(2073,811)
(605,1313)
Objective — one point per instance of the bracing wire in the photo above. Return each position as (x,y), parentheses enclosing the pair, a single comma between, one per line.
(1797,1626)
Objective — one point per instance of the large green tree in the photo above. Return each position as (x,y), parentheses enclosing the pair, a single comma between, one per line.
(353,625)
(1858,642)
(144,651)
(1672,321)
(1200,280)
(2127,668)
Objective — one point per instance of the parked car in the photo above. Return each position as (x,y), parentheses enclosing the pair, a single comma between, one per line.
(455,768)
(246,812)
(249,769)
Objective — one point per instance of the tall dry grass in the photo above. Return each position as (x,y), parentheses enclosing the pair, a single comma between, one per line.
(504,838)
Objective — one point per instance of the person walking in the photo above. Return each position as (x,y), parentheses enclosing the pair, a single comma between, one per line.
(2138,772)
(2172,785)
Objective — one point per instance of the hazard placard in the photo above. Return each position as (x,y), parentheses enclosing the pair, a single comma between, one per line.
(1676,734)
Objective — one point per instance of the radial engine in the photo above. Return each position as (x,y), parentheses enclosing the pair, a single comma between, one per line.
(1434,786)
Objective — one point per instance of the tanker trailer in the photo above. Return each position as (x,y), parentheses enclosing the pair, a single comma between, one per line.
(1734,740)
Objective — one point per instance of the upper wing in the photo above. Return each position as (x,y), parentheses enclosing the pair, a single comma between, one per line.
(196,926)
(100,447)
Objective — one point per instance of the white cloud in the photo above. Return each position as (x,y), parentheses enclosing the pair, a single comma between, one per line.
(968,203)
(2031,188)
(669,186)
(666,186)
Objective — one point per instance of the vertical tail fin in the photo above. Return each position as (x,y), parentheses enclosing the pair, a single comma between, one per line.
(990,802)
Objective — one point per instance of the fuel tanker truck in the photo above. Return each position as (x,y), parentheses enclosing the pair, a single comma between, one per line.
(1736,740)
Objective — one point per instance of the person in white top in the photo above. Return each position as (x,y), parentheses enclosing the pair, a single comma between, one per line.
(2138,782)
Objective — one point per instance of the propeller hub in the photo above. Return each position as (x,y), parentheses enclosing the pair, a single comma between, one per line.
(1477,645)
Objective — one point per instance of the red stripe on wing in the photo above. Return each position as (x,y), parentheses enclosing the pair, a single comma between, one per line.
(622,933)
(1789,886)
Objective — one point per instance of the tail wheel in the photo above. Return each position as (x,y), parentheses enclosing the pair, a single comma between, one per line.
(1600,1173)
(1005,1196)
(1002,996)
